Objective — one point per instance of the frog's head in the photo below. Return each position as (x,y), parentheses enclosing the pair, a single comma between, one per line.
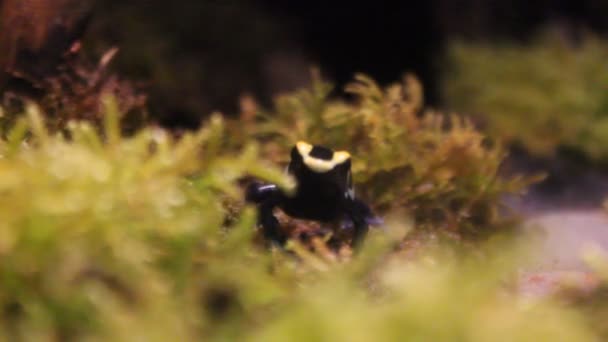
(319,162)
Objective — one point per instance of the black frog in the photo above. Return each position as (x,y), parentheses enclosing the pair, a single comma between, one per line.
(324,193)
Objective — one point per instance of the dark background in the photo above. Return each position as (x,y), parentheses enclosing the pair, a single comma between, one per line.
(385,39)
(196,56)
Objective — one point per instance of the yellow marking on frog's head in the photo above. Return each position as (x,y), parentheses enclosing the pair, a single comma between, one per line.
(320,165)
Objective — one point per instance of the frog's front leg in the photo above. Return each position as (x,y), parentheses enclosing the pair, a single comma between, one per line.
(267,197)
(360,215)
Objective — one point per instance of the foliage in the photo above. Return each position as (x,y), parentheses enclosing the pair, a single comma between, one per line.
(544,95)
(121,239)
(74,91)
(438,297)
(438,168)
(203,61)
(96,233)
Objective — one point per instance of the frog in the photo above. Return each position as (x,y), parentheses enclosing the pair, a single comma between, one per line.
(324,193)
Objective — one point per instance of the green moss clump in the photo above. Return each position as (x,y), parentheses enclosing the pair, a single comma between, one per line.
(543,95)
(410,302)
(97,233)
(106,237)
(439,168)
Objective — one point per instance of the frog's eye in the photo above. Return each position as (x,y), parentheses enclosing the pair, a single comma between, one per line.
(320,159)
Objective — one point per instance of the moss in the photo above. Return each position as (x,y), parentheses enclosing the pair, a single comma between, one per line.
(75,91)
(86,218)
(112,237)
(438,168)
(543,95)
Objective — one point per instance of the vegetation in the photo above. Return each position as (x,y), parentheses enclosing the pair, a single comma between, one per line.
(543,95)
(439,169)
(114,229)
(103,234)
(107,236)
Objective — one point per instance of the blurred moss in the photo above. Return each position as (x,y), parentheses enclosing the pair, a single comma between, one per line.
(106,237)
(436,298)
(98,230)
(546,94)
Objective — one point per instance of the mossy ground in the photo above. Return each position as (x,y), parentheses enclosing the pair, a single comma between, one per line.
(113,236)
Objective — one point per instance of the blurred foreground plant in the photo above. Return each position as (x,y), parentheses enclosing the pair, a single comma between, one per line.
(94,227)
(437,297)
(105,237)
(544,95)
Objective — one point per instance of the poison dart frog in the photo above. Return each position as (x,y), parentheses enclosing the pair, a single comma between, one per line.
(324,193)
